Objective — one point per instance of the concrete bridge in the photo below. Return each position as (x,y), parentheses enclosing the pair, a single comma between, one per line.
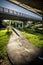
(13,14)
(6,13)
(19,47)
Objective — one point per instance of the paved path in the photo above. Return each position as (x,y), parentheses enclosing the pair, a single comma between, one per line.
(19,50)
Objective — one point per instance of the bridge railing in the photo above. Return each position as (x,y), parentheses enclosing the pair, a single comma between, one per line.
(12,12)
(15,13)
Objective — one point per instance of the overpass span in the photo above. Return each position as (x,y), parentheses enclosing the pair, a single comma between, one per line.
(6,13)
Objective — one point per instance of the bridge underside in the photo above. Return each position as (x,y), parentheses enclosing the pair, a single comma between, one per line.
(11,14)
(32,5)
(11,17)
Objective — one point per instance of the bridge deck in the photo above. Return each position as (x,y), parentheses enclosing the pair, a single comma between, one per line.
(6,13)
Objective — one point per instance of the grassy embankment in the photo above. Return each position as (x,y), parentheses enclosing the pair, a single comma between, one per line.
(4,37)
(33,37)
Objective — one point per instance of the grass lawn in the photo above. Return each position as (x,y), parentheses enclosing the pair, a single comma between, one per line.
(4,37)
(33,37)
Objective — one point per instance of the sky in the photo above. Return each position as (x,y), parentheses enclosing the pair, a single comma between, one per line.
(9,5)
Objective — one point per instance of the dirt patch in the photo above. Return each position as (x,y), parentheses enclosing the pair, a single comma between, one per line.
(5,61)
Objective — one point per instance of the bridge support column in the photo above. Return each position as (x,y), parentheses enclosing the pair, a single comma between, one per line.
(24,23)
(0,22)
(42,22)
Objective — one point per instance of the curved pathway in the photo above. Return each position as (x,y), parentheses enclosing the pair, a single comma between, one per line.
(19,50)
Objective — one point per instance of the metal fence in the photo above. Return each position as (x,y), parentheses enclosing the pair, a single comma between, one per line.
(12,12)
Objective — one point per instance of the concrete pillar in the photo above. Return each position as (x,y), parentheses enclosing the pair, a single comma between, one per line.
(0,22)
(1,25)
(42,23)
(24,23)
(42,20)
(15,24)
(10,22)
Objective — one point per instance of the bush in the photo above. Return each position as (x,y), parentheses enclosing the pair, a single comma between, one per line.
(39,31)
